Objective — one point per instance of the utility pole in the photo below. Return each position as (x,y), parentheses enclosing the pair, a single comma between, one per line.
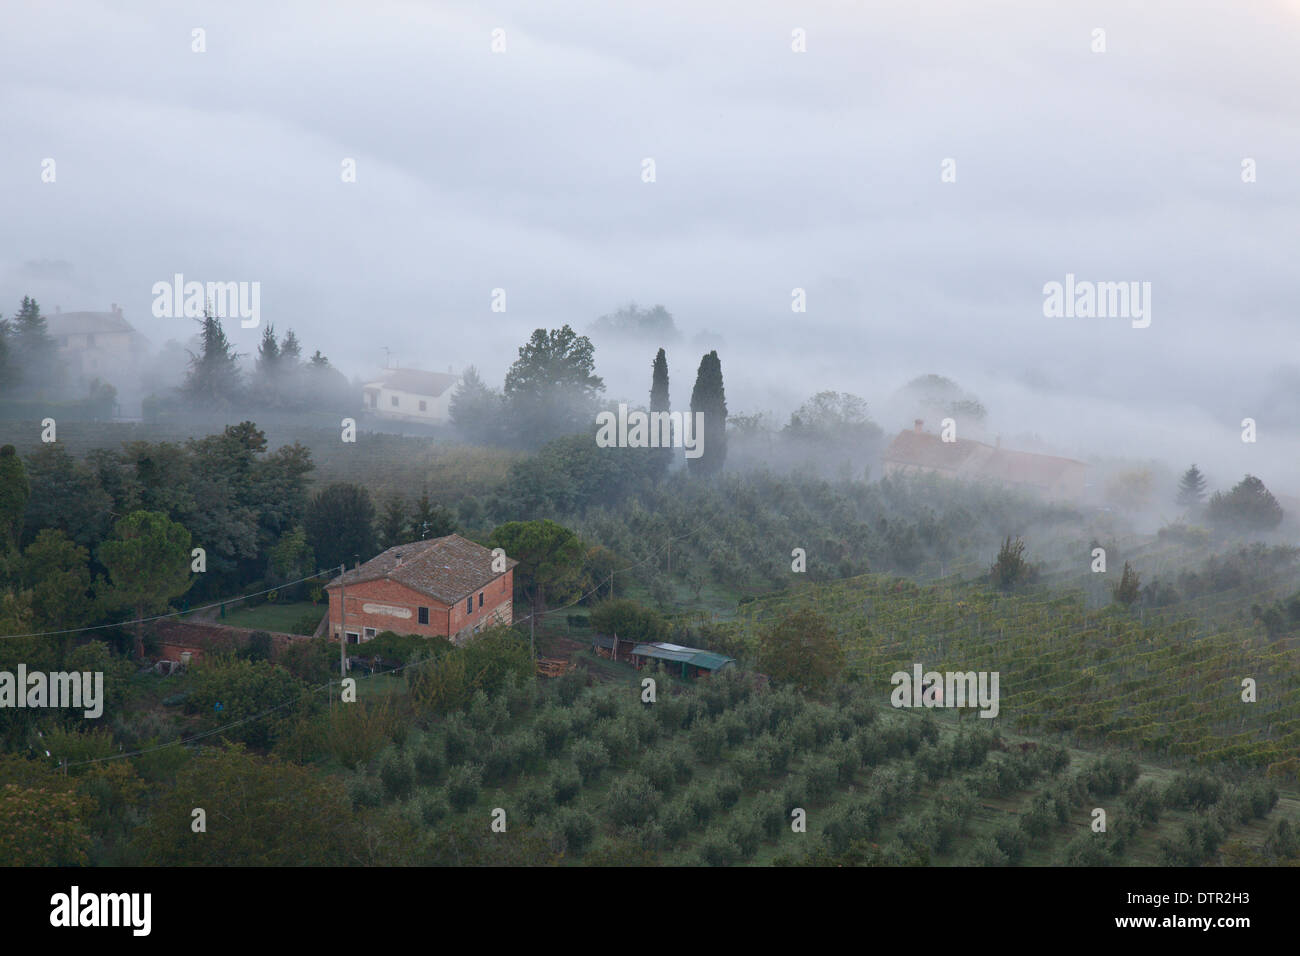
(343,624)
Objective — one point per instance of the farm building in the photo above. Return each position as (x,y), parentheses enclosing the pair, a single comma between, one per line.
(444,587)
(920,452)
(411,395)
(693,661)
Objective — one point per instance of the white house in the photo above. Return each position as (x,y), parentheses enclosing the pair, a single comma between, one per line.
(99,345)
(411,395)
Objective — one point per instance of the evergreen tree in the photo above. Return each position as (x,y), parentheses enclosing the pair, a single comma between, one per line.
(659,403)
(290,350)
(1129,586)
(35,356)
(14,492)
(1191,490)
(477,411)
(430,520)
(393,523)
(213,379)
(710,397)
(268,367)
(1248,507)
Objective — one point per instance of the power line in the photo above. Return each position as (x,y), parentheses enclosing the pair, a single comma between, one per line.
(160,617)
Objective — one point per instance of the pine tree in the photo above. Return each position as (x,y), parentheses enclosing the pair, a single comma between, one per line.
(213,379)
(268,367)
(709,397)
(393,523)
(477,411)
(1191,490)
(34,358)
(1128,588)
(659,403)
(430,520)
(290,350)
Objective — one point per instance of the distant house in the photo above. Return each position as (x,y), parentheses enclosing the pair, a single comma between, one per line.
(919,452)
(444,587)
(99,345)
(411,395)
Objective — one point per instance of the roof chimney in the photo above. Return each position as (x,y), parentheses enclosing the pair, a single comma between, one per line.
(916,425)
(398,555)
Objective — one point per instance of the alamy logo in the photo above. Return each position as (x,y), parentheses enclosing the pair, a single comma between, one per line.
(953,689)
(102,909)
(83,689)
(1098,300)
(638,429)
(230,300)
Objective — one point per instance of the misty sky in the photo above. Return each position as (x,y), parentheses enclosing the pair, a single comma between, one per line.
(775,170)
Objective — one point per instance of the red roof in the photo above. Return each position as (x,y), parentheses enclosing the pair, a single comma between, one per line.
(973,459)
(446,569)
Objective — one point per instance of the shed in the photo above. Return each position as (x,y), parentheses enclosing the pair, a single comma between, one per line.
(693,660)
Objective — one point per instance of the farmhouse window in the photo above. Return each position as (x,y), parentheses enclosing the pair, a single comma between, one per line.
(424,615)
(424,406)
(370,633)
(469,604)
(480,600)
(394,401)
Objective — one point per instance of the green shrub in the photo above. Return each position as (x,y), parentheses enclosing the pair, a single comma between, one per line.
(397,772)
(1144,802)
(576,826)
(566,782)
(535,799)
(658,767)
(717,849)
(771,814)
(708,739)
(702,801)
(821,776)
(433,807)
(591,758)
(365,791)
(1012,841)
(728,789)
(260,647)
(678,819)
(986,852)
(463,785)
(745,832)
(632,801)
(460,740)
(553,726)
(1087,849)
(1193,791)
(429,764)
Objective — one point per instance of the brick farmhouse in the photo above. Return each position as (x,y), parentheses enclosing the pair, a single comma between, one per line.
(445,587)
(920,452)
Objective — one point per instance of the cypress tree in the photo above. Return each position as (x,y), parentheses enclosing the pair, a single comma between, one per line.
(659,403)
(710,397)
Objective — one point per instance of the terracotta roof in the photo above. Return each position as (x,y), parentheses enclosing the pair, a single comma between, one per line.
(416,381)
(973,459)
(82,323)
(446,569)
(1026,468)
(921,448)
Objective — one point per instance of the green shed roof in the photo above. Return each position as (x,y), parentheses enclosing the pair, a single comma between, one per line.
(686,655)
